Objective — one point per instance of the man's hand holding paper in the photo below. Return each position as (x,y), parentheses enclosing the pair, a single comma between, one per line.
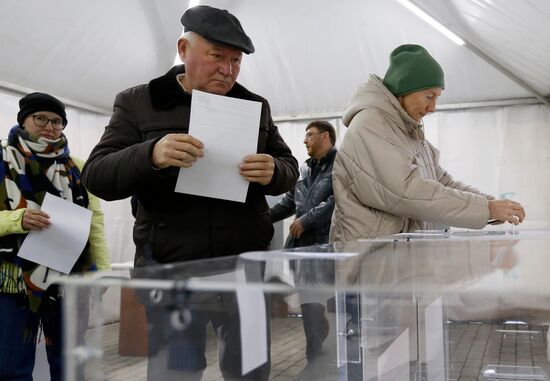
(257,168)
(177,150)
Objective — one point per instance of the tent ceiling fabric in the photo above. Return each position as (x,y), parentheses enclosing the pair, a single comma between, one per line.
(310,54)
(515,33)
(87,51)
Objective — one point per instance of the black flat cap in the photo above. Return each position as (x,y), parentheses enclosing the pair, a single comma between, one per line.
(218,26)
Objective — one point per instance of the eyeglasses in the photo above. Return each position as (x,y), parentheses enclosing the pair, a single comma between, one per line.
(310,134)
(42,121)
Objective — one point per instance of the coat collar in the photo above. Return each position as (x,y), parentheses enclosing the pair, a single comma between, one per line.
(408,125)
(166,93)
(325,160)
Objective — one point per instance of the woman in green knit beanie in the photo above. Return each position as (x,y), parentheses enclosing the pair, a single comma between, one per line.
(386,175)
(416,79)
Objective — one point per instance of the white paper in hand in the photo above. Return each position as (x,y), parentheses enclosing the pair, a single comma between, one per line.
(228,128)
(58,246)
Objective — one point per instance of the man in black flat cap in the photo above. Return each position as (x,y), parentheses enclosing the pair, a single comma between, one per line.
(139,156)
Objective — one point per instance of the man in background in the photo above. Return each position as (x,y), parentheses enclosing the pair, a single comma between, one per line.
(312,202)
(312,199)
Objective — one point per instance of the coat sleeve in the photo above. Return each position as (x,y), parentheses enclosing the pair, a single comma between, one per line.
(319,216)
(284,208)
(98,243)
(385,177)
(447,180)
(10,222)
(120,164)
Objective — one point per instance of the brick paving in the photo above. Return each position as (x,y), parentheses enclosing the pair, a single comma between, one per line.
(470,348)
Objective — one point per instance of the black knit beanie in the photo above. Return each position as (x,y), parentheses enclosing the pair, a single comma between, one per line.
(35,102)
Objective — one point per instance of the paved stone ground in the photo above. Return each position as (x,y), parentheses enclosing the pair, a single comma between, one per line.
(287,359)
(471,347)
(474,346)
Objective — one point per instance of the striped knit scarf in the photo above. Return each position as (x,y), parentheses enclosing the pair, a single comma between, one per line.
(29,169)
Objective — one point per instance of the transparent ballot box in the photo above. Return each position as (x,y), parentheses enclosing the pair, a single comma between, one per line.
(467,307)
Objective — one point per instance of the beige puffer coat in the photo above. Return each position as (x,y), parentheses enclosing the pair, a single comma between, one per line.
(387,177)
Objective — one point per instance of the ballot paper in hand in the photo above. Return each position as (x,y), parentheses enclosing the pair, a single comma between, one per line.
(58,246)
(228,128)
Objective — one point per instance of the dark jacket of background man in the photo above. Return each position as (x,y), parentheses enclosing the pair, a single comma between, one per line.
(312,201)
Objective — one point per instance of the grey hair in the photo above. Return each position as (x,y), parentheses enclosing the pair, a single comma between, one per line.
(190,36)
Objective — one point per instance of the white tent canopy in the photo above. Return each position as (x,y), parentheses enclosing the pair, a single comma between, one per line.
(310,56)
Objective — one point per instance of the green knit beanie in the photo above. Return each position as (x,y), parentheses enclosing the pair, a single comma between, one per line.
(412,69)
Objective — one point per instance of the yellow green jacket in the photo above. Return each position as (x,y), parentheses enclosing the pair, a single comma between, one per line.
(11,223)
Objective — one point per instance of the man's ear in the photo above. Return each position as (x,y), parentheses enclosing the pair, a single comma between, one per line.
(183,46)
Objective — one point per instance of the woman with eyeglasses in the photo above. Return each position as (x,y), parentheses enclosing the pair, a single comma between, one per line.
(35,160)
